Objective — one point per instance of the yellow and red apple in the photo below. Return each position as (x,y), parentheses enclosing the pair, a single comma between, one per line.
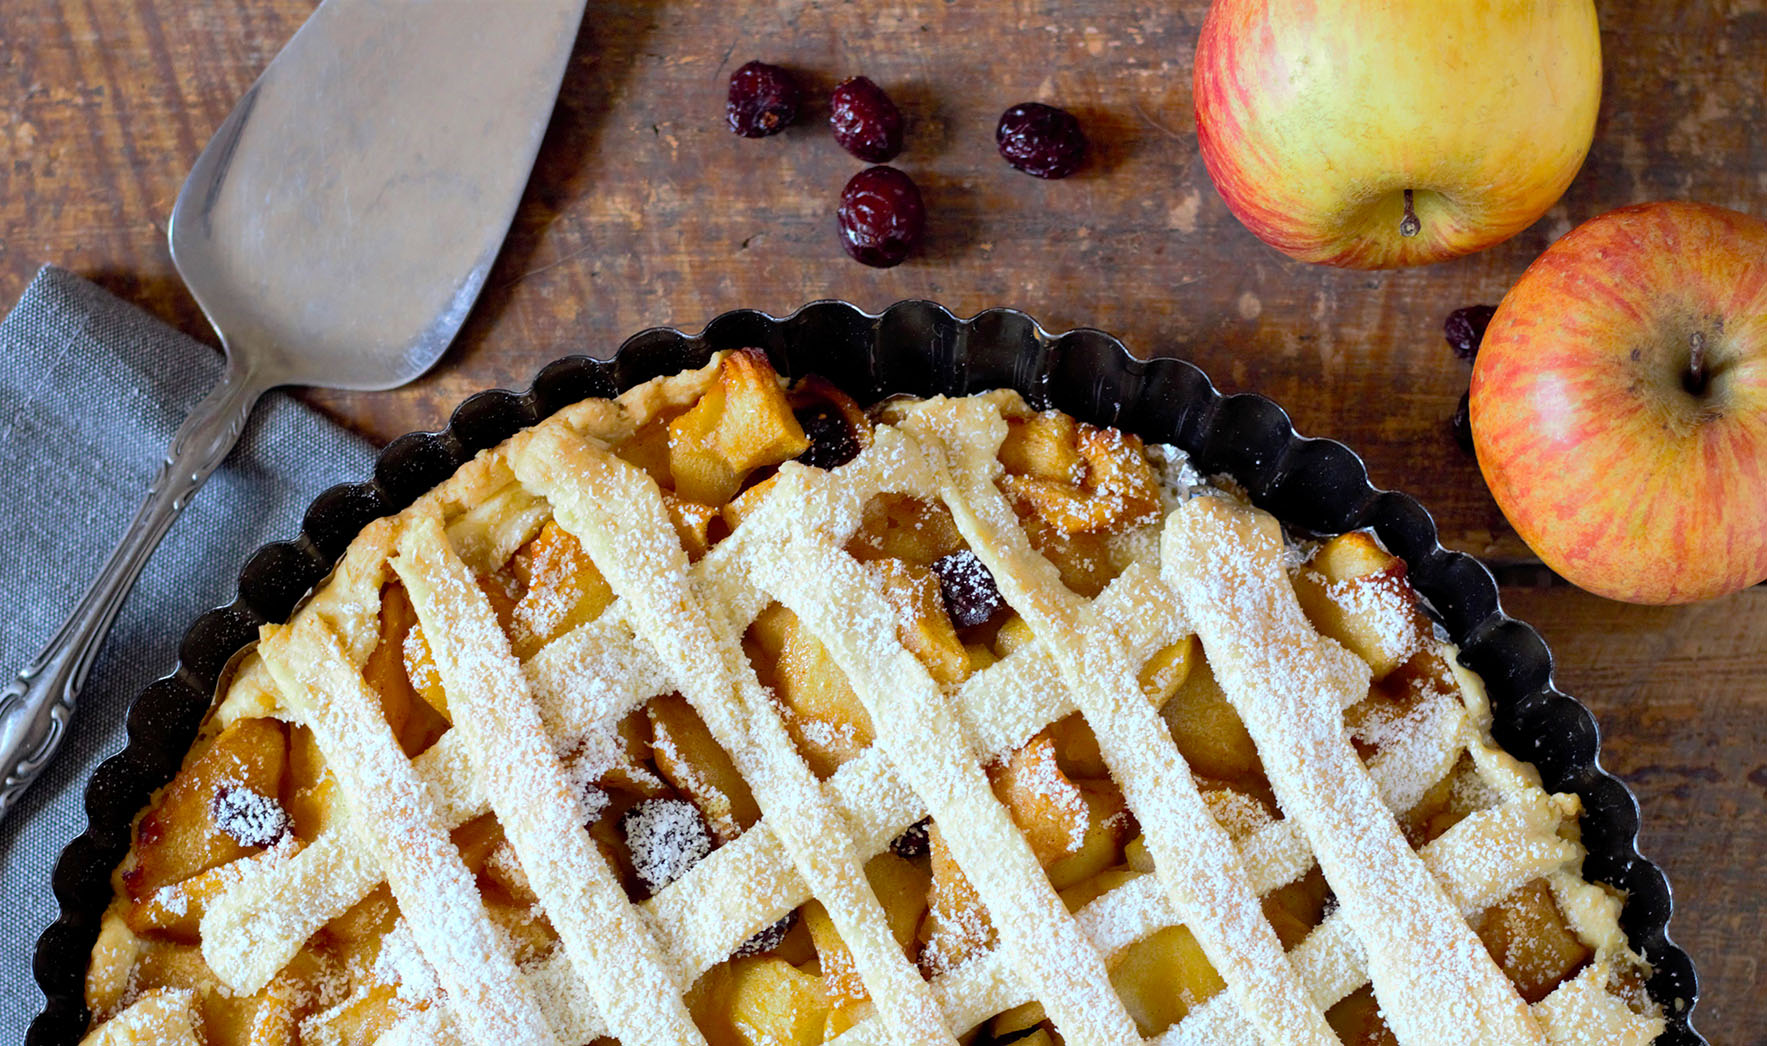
(1619,404)
(1380,133)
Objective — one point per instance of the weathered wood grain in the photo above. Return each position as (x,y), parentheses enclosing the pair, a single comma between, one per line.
(644,210)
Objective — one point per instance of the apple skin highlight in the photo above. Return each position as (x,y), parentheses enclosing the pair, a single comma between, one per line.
(1618,476)
(1314,117)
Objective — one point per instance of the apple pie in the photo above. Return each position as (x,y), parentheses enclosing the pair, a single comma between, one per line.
(731,712)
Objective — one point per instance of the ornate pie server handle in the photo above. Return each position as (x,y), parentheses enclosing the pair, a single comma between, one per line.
(37,702)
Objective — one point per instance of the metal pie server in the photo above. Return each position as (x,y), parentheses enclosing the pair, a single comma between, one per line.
(335,231)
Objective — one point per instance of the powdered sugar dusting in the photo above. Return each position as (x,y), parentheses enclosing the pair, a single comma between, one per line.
(827,733)
(1044,778)
(164,1016)
(840,602)
(418,662)
(403,966)
(1179,480)
(584,772)
(250,818)
(515,758)
(1237,812)
(1382,605)
(666,837)
(970,595)
(1387,724)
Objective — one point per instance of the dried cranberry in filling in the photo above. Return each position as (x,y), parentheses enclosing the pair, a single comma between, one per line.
(971,597)
(249,818)
(832,441)
(666,837)
(914,841)
(768,939)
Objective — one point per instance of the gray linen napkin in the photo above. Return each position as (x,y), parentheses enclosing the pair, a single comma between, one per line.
(91,391)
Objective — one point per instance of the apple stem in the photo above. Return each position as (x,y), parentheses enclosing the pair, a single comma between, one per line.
(1409,226)
(1696,363)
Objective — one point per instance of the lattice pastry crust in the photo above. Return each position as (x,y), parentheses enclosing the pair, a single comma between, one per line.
(682,550)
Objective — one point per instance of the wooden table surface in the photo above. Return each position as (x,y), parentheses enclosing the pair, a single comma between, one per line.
(645,210)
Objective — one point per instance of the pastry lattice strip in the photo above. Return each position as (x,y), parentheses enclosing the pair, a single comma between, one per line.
(872,777)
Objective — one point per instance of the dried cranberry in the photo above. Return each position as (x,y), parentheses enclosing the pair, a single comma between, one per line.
(971,597)
(1041,140)
(1465,329)
(914,841)
(665,838)
(832,442)
(592,803)
(248,817)
(881,216)
(1462,423)
(865,121)
(763,100)
(768,939)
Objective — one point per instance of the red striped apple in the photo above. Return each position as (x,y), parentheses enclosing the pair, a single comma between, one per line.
(1619,404)
(1380,133)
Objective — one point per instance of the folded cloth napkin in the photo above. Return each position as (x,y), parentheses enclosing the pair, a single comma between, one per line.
(91,391)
